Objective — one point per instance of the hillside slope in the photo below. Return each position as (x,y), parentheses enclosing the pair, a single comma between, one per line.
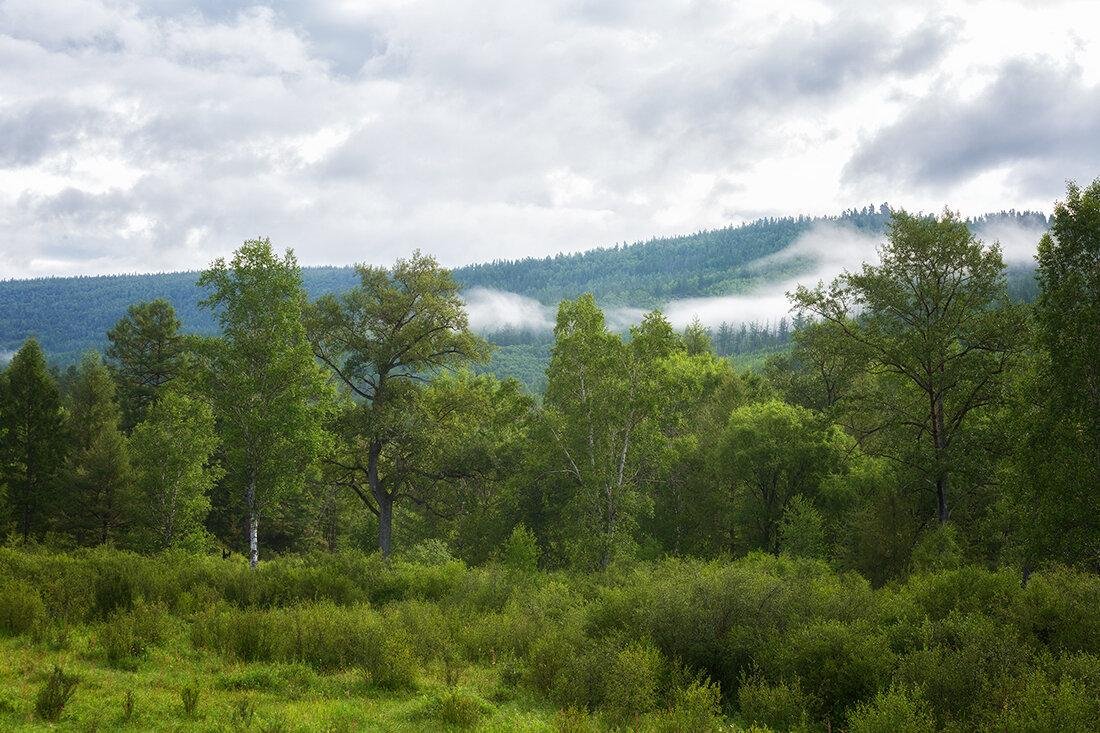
(69,315)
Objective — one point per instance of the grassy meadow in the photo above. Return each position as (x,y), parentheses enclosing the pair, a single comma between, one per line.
(348,642)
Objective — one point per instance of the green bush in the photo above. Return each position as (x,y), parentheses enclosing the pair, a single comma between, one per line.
(456,706)
(894,711)
(696,706)
(960,667)
(127,635)
(21,608)
(838,665)
(189,697)
(1061,610)
(782,706)
(520,551)
(632,682)
(51,700)
(1033,702)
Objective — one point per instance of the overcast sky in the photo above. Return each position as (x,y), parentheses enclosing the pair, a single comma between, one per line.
(158,135)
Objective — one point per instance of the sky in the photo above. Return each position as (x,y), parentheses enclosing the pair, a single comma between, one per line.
(156,136)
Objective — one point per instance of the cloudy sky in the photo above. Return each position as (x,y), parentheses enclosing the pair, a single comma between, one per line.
(145,136)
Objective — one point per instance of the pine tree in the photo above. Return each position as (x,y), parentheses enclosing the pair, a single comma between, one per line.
(32,440)
(98,501)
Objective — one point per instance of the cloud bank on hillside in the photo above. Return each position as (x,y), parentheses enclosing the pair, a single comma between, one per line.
(828,248)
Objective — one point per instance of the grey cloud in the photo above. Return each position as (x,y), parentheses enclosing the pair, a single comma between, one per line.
(30,131)
(1039,117)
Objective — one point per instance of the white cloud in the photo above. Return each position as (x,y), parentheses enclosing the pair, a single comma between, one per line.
(160,134)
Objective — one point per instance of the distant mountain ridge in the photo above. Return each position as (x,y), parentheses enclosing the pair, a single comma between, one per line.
(72,314)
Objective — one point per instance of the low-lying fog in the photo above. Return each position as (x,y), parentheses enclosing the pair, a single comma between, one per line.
(833,247)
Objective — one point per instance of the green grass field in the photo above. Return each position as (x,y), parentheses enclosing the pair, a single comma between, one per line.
(347,642)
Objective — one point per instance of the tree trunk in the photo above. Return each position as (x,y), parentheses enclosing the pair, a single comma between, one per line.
(939,446)
(383,497)
(253,525)
(385,524)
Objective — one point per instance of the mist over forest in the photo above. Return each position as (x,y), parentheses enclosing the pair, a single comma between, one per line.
(561,366)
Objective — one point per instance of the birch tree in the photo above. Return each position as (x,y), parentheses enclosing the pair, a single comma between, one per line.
(269,393)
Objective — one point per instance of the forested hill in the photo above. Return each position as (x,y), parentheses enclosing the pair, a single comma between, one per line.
(72,314)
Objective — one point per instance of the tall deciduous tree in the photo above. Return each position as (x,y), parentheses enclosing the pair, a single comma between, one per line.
(770,453)
(99,498)
(172,450)
(268,391)
(383,339)
(32,441)
(931,322)
(144,353)
(602,397)
(1068,309)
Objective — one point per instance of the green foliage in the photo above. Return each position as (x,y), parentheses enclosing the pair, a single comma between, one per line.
(21,608)
(696,706)
(50,702)
(802,530)
(782,706)
(633,682)
(145,353)
(127,635)
(172,451)
(33,441)
(456,706)
(381,339)
(938,549)
(893,710)
(189,698)
(769,453)
(99,503)
(520,551)
(269,394)
(933,328)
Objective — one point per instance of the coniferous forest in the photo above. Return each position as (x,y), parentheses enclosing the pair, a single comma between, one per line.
(324,513)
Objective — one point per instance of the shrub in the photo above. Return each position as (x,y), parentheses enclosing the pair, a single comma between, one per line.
(938,549)
(1033,702)
(838,665)
(959,668)
(632,682)
(128,707)
(1061,609)
(51,700)
(244,710)
(458,707)
(113,589)
(695,707)
(894,710)
(21,608)
(128,635)
(189,696)
(520,551)
(782,706)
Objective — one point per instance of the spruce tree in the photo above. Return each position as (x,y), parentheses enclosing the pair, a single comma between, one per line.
(32,441)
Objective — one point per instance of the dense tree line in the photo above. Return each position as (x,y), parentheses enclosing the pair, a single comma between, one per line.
(70,315)
(922,416)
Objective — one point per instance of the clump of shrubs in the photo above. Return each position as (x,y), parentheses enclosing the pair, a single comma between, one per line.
(51,700)
(456,706)
(189,696)
(21,608)
(781,705)
(127,635)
